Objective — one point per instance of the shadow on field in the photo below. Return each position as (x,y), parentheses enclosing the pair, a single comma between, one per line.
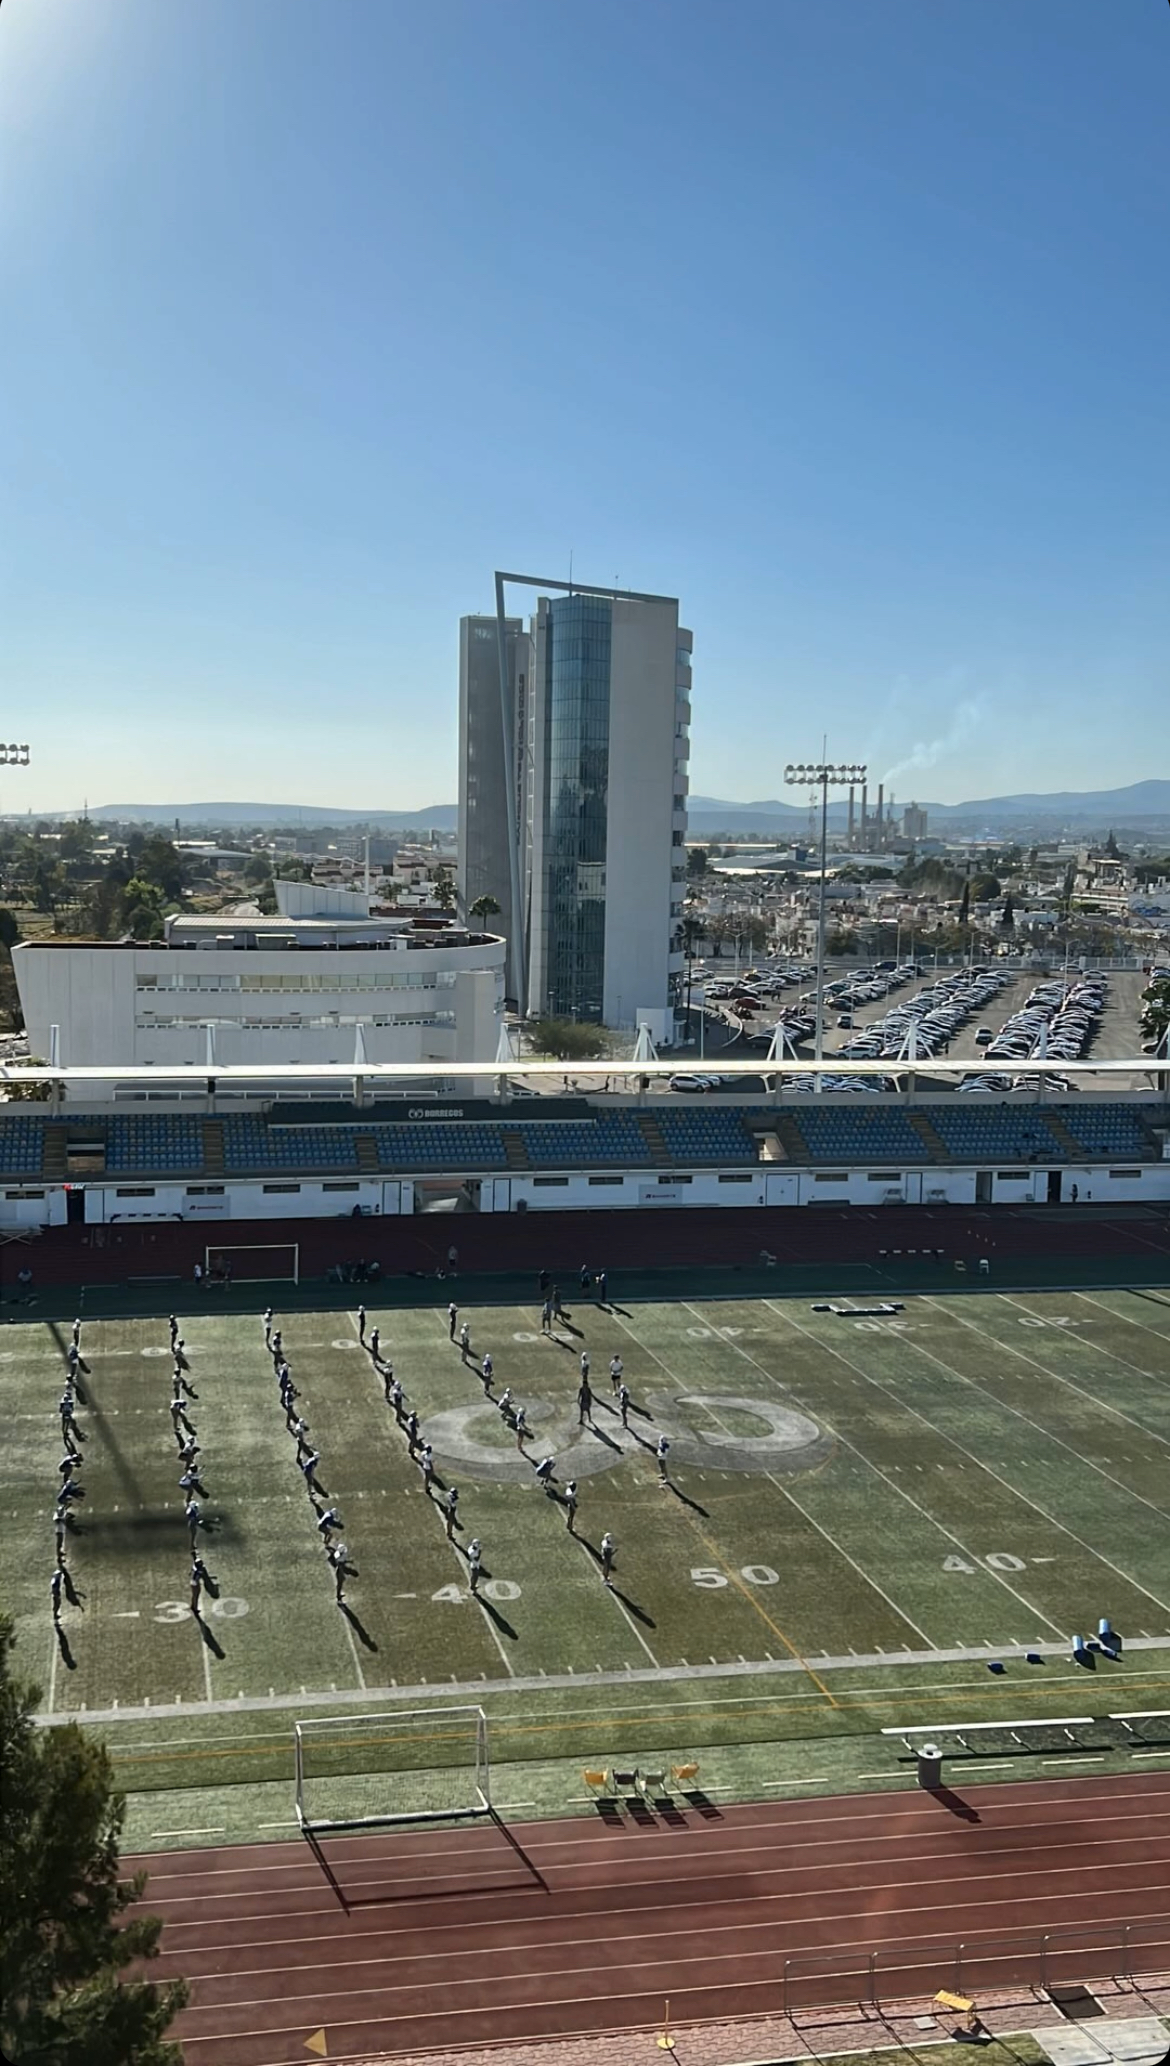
(209,1637)
(639,1613)
(505,1627)
(122,1535)
(686,1499)
(363,1635)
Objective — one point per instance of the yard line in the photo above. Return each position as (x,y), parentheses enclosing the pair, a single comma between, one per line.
(1162,1512)
(487,1617)
(831,1540)
(876,1468)
(206,1668)
(54,1648)
(733,1576)
(951,1442)
(1131,1320)
(1149,1434)
(357,1662)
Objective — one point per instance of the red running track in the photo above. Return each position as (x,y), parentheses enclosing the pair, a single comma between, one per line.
(450,1938)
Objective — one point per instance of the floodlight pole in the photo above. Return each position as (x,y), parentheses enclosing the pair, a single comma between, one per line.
(824,775)
(14,756)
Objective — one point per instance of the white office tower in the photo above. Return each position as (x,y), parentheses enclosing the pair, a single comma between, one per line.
(601,793)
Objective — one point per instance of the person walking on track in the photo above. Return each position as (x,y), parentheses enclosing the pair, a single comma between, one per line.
(570,1497)
(608,1553)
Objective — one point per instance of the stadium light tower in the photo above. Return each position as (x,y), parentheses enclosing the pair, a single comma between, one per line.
(823,775)
(13,757)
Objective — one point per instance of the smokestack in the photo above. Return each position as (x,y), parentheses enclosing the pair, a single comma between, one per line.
(881,823)
(863,837)
(849,838)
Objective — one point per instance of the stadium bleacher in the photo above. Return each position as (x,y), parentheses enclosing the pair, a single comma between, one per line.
(612,1139)
(469,1145)
(874,1134)
(1113,1130)
(689,1136)
(21,1145)
(714,1137)
(995,1133)
(162,1142)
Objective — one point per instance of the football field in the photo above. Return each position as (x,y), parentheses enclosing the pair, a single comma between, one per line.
(858,1512)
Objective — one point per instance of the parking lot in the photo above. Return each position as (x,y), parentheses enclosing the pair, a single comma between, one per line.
(1116,1034)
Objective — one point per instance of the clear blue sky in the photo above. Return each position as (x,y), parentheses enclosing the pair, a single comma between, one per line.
(846,322)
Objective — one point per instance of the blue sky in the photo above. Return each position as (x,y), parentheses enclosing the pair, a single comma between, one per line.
(847,323)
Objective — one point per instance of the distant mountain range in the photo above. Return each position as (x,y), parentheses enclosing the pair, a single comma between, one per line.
(1139,806)
(1142,806)
(439,817)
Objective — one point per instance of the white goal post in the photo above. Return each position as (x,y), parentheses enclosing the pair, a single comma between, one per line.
(364,1771)
(261,1262)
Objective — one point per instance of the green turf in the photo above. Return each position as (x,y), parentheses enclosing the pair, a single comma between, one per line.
(978,1472)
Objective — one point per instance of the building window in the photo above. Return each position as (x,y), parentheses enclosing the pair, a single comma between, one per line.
(281,1187)
(595,1180)
(549,1183)
(205,1190)
(24,1194)
(671,1178)
(340,1187)
(134,1191)
(745,1179)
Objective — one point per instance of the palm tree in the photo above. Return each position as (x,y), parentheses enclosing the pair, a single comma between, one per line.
(484,908)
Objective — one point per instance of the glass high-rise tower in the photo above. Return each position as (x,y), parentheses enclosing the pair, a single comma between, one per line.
(598,707)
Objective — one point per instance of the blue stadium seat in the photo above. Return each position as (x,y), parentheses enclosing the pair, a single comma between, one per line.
(22,1144)
(860,1134)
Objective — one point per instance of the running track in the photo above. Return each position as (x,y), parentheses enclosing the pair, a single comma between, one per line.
(451,1938)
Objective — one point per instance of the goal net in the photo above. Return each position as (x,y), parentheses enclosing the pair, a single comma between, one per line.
(270,1262)
(420,1765)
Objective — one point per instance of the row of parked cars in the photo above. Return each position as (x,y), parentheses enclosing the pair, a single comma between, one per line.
(1057,1022)
(936,1014)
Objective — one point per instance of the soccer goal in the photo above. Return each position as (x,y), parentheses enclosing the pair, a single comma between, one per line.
(363,1771)
(267,1262)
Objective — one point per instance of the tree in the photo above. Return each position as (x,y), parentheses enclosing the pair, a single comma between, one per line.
(984,888)
(63,1947)
(567,1040)
(1007,923)
(159,862)
(697,857)
(483,908)
(444,890)
(142,909)
(258,869)
(9,930)
(964,905)
(1111,845)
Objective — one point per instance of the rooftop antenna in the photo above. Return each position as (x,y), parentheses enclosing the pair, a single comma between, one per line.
(570,570)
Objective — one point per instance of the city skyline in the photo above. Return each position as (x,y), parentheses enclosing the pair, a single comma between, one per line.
(858,346)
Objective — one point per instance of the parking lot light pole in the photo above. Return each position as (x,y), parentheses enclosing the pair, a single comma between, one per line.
(824,775)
